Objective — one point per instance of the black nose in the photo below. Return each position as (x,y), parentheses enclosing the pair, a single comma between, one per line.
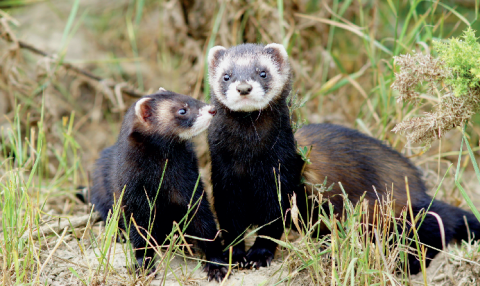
(244,88)
(212,111)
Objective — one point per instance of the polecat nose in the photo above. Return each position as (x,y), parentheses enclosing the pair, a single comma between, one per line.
(212,111)
(244,88)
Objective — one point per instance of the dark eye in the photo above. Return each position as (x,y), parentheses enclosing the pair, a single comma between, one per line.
(226,77)
(182,111)
(263,74)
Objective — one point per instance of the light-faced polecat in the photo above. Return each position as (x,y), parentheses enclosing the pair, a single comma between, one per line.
(252,145)
(155,135)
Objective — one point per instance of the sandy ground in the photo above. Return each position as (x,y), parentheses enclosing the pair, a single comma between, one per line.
(182,271)
(186,271)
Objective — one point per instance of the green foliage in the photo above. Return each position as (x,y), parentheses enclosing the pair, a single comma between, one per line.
(453,77)
(462,58)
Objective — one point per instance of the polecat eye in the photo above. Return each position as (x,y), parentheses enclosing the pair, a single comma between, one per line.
(182,111)
(226,77)
(263,74)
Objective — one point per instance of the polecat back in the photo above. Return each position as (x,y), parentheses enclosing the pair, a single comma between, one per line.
(153,158)
(252,144)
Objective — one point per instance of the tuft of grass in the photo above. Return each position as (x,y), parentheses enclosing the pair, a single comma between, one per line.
(361,248)
(24,191)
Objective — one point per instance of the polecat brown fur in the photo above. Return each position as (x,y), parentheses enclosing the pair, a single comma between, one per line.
(155,135)
(252,143)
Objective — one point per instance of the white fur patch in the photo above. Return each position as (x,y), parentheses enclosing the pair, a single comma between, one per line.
(138,110)
(279,74)
(245,61)
(162,89)
(201,123)
(215,73)
(164,112)
(255,100)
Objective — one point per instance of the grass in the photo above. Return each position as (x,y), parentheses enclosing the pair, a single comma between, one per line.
(352,254)
(54,122)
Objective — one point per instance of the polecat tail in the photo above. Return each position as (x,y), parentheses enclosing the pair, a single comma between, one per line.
(467,227)
(430,231)
(457,224)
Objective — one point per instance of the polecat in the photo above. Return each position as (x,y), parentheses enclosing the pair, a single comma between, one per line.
(154,140)
(252,145)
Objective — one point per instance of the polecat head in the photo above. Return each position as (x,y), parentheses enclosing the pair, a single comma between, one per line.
(248,77)
(171,115)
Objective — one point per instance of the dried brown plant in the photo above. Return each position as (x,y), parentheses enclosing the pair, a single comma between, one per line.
(423,73)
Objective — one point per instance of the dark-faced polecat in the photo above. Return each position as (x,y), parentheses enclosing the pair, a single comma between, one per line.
(153,155)
(252,145)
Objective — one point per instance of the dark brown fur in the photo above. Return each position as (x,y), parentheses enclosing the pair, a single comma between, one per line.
(336,156)
(148,161)
(253,145)
(366,167)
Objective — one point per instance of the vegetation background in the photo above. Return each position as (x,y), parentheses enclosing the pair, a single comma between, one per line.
(69,69)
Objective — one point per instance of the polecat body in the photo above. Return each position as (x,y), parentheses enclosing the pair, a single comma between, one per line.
(252,144)
(155,135)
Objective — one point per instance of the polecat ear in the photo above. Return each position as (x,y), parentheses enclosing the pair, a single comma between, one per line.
(278,53)
(143,110)
(214,56)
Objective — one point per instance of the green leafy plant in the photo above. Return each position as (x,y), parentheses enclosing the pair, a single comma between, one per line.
(461,59)
(453,77)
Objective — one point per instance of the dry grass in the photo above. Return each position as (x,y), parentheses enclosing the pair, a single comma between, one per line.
(454,84)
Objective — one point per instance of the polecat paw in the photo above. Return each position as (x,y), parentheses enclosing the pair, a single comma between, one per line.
(238,257)
(215,272)
(259,257)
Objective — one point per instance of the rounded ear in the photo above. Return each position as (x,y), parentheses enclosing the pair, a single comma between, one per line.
(278,53)
(162,89)
(214,56)
(143,110)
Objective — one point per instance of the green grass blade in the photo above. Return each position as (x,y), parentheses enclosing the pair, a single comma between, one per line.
(69,25)
(211,42)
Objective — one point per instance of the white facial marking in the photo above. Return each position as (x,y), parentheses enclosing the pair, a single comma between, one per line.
(138,110)
(279,76)
(258,99)
(255,100)
(201,123)
(161,89)
(245,62)
(217,73)
(164,112)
